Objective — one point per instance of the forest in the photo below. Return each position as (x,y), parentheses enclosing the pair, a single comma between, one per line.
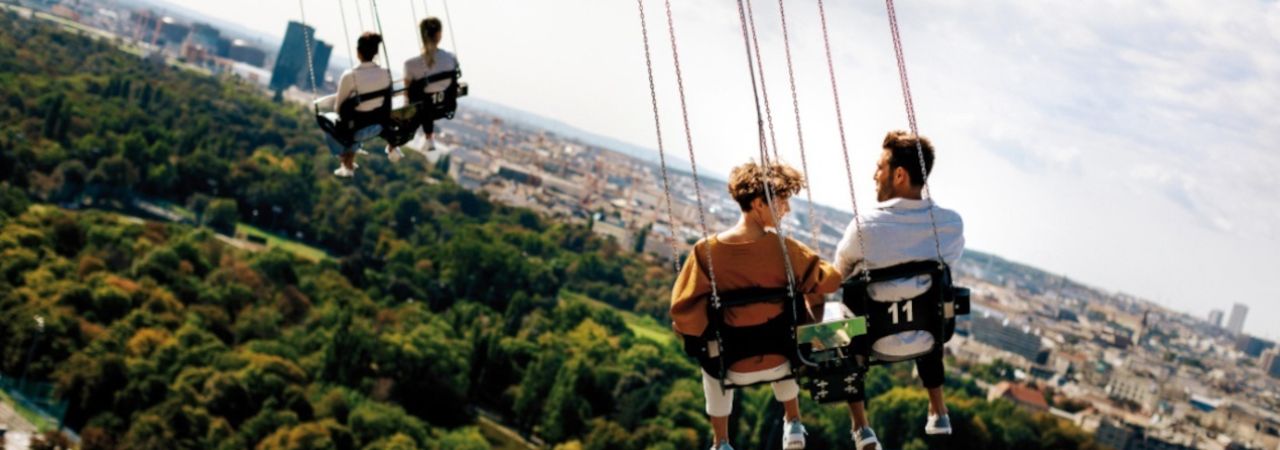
(432,309)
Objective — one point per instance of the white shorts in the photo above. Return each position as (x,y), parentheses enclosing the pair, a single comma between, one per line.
(720,402)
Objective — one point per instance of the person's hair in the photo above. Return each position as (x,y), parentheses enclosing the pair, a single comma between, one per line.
(367,46)
(746,183)
(430,28)
(901,146)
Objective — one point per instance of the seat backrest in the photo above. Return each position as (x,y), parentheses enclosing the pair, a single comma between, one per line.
(349,114)
(927,311)
(777,336)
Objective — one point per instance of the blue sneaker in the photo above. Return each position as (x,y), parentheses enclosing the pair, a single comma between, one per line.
(722,446)
(940,424)
(793,439)
(865,439)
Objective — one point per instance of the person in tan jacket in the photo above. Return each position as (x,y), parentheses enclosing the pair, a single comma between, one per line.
(749,255)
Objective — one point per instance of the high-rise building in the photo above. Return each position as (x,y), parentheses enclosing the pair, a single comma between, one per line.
(993,329)
(1236,323)
(1215,318)
(1253,346)
(291,63)
(246,53)
(1271,362)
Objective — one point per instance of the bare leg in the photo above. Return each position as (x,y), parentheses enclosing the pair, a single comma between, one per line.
(858,413)
(792,409)
(936,404)
(720,427)
(349,160)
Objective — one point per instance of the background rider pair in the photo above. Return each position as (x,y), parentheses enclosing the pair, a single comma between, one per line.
(368,77)
(898,230)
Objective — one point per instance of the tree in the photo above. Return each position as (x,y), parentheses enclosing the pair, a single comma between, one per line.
(222,215)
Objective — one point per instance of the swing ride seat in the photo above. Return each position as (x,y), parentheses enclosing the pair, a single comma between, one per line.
(402,122)
(932,311)
(837,375)
(721,345)
(344,124)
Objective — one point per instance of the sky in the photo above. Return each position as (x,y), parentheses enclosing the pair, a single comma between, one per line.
(1129,145)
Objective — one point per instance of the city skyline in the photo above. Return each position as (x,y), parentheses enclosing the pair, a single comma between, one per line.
(1105,118)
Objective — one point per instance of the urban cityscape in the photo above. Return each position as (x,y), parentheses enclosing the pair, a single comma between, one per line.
(1130,372)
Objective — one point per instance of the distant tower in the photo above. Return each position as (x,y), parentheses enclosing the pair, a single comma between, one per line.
(1236,323)
(291,63)
(1215,318)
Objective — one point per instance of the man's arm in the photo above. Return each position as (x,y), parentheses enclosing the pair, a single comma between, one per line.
(849,252)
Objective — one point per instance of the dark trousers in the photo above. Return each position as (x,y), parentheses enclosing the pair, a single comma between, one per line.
(930,368)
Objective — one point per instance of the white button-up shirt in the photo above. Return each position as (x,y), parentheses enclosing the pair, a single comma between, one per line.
(363,79)
(899,231)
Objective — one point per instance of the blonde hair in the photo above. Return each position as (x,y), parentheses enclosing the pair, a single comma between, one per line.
(746,182)
(429,28)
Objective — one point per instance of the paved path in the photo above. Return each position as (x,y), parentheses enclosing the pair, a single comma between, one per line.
(18,436)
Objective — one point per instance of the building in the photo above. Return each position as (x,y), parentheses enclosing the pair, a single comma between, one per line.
(1133,437)
(993,329)
(1142,392)
(605,227)
(1026,397)
(1271,362)
(1253,346)
(1236,323)
(1215,318)
(172,32)
(244,52)
(291,63)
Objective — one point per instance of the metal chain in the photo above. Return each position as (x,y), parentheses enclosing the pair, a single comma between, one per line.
(795,105)
(346,35)
(764,90)
(359,15)
(306,38)
(911,119)
(767,168)
(386,55)
(693,162)
(657,125)
(844,143)
(457,54)
(416,32)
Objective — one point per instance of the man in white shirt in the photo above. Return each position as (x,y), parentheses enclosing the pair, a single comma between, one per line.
(900,229)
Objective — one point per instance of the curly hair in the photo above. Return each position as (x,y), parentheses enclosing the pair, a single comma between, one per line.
(902,148)
(746,182)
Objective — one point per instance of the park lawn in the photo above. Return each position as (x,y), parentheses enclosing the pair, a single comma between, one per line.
(644,327)
(41,422)
(305,251)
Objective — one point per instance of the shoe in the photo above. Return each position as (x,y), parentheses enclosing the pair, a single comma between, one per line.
(864,437)
(432,146)
(394,154)
(939,424)
(722,446)
(344,172)
(794,437)
(362,151)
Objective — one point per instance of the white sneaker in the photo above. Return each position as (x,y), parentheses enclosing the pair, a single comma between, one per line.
(940,424)
(793,439)
(344,172)
(865,439)
(394,154)
(362,151)
(431,147)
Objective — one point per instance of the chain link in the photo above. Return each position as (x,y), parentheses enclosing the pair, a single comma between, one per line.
(657,125)
(767,168)
(764,90)
(844,142)
(795,105)
(306,38)
(911,119)
(693,162)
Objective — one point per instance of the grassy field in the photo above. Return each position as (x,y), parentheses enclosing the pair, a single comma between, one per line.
(500,437)
(297,248)
(41,422)
(643,326)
